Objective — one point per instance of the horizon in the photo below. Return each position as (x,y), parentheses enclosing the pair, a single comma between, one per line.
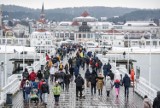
(50,4)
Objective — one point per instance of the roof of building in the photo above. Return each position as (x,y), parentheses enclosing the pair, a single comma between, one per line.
(75,23)
(85,14)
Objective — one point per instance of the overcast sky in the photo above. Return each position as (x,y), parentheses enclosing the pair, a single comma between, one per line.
(50,4)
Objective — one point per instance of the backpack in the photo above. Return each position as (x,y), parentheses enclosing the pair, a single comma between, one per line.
(56,90)
(44,88)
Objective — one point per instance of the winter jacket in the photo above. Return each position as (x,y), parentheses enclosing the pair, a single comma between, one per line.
(23,83)
(32,76)
(27,88)
(117,75)
(45,88)
(56,90)
(35,85)
(126,81)
(156,102)
(147,103)
(79,81)
(87,74)
(67,78)
(25,74)
(108,84)
(61,76)
(93,78)
(100,82)
(117,83)
(39,75)
(76,71)
(46,74)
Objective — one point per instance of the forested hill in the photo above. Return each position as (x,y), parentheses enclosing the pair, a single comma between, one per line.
(138,15)
(65,14)
(60,14)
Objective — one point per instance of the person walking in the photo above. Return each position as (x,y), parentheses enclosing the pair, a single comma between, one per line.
(146,102)
(126,82)
(25,74)
(27,89)
(108,85)
(56,92)
(45,92)
(93,81)
(52,69)
(32,75)
(22,86)
(79,83)
(117,87)
(100,83)
(39,75)
(156,102)
(87,76)
(66,68)
(67,79)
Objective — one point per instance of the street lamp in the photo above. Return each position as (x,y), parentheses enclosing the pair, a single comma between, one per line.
(150,59)
(128,50)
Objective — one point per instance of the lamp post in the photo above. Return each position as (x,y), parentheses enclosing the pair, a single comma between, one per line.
(128,51)
(23,52)
(150,59)
(5,68)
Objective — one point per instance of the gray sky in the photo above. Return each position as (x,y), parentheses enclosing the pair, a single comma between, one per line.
(50,4)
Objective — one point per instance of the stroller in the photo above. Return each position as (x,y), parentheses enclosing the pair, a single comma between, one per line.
(34,96)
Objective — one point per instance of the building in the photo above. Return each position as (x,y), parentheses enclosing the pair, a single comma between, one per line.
(41,38)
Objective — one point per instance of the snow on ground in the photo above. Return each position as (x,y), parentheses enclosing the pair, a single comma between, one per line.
(12,49)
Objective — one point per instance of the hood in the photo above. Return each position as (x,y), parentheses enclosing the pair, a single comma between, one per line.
(158,94)
(126,75)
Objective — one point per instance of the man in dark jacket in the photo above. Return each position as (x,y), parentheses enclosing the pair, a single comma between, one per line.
(79,83)
(93,81)
(45,92)
(126,82)
(156,102)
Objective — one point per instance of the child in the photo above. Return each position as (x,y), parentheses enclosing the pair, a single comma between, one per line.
(117,87)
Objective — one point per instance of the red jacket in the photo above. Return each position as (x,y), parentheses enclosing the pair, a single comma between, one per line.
(47,58)
(40,84)
(32,76)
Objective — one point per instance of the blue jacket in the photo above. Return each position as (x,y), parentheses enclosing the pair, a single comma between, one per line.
(126,81)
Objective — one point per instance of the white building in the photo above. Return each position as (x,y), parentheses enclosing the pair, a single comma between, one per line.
(42,39)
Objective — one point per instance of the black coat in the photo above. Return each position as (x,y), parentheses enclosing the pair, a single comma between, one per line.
(79,81)
(126,81)
(156,102)
(93,78)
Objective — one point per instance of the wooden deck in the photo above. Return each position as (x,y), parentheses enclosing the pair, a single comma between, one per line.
(68,99)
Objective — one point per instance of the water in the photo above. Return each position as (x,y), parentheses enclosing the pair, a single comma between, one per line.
(143,63)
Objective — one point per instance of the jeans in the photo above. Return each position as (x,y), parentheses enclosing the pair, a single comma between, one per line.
(45,97)
(23,94)
(27,96)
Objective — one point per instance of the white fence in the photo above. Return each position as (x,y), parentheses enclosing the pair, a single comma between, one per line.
(12,87)
(143,89)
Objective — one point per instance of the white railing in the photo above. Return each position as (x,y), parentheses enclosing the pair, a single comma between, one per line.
(144,89)
(12,87)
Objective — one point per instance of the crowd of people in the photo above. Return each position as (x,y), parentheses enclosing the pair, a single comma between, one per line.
(35,85)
